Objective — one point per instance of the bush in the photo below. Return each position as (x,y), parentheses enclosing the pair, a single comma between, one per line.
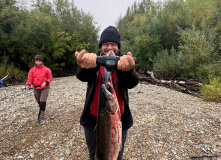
(166,64)
(212,92)
(196,57)
(210,70)
(18,76)
(195,51)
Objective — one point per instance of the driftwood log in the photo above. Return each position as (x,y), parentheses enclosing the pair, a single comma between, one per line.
(188,86)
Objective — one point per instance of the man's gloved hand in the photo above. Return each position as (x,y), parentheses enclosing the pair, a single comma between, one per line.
(126,62)
(86,60)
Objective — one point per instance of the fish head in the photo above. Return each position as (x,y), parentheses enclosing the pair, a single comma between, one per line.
(107,98)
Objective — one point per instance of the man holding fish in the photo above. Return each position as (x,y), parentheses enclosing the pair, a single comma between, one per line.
(106,116)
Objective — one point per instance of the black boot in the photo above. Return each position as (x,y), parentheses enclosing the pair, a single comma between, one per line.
(39,110)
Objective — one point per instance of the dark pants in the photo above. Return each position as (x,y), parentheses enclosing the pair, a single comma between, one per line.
(41,96)
(90,136)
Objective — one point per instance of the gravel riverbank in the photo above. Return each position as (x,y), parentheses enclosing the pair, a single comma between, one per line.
(168,125)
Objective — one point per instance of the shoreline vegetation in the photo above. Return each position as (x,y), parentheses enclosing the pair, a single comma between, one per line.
(174,39)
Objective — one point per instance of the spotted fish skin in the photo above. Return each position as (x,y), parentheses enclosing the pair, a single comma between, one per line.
(109,126)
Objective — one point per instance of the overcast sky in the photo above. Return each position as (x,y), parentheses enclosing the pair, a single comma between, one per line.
(105,12)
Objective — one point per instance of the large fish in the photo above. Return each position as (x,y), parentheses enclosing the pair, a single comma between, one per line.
(109,126)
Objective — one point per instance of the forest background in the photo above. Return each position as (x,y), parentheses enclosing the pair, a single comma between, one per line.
(175,38)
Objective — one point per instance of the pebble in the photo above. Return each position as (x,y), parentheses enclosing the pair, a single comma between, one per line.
(167,124)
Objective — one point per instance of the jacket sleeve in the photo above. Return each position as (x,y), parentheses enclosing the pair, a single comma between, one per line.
(128,79)
(30,78)
(86,75)
(49,76)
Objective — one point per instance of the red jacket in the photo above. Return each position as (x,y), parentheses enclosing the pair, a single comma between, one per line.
(38,75)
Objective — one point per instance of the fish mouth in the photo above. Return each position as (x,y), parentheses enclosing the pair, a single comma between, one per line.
(109,88)
(108,94)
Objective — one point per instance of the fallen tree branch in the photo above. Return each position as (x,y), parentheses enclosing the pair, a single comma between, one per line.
(174,82)
(184,86)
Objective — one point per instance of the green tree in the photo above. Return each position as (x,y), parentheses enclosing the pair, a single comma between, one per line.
(9,19)
(196,57)
(196,48)
(54,30)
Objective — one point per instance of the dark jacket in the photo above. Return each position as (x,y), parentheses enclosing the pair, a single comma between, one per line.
(126,80)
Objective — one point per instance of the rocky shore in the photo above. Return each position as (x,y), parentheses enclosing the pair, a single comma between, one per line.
(168,125)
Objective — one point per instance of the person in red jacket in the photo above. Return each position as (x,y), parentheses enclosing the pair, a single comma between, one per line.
(40,77)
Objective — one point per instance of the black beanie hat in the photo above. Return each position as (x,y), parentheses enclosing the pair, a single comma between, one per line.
(38,57)
(110,34)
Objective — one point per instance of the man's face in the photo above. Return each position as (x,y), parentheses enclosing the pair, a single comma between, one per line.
(106,47)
